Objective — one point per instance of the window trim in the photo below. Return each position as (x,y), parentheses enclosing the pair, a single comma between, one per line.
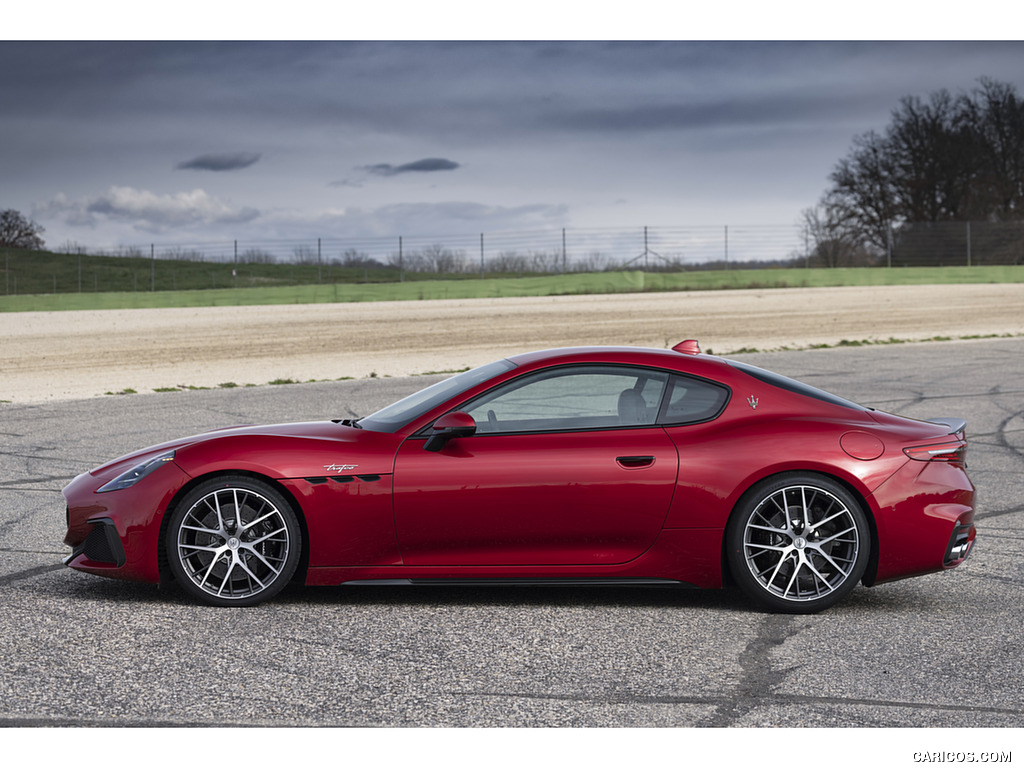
(663,421)
(659,420)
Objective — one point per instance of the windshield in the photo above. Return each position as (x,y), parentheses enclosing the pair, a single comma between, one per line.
(391,417)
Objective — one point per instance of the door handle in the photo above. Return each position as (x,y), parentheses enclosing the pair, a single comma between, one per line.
(634,462)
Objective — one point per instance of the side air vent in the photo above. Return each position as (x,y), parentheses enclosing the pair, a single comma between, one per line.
(103,544)
(346,478)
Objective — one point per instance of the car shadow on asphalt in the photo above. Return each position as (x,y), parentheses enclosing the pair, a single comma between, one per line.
(69,585)
(72,586)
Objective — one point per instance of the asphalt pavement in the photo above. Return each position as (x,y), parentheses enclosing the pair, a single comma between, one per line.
(944,650)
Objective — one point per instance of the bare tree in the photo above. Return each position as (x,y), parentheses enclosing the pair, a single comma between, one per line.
(16,231)
(836,243)
(862,192)
(998,113)
(437,258)
(945,159)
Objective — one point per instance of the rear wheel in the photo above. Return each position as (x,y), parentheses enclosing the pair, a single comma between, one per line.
(798,543)
(233,541)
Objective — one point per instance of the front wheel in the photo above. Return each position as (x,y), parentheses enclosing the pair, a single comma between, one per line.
(798,543)
(233,541)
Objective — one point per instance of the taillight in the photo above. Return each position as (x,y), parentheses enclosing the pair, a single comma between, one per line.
(951,448)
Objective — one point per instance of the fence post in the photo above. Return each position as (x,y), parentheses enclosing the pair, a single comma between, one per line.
(481,254)
(565,264)
(726,246)
(152,267)
(401,273)
(888,245)
(968,243)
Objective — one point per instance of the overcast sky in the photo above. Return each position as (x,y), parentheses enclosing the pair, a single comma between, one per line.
(109,144)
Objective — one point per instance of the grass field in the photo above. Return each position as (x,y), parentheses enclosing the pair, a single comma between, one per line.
(465,288)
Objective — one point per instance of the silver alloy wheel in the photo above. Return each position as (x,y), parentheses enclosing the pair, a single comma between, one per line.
(233,543)
(801,543)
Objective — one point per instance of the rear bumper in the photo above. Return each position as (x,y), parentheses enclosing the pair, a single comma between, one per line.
(925,520)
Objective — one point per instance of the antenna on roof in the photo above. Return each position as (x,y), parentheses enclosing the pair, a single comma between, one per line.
(688,347)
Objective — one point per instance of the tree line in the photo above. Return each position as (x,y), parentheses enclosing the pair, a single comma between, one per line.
(942,159)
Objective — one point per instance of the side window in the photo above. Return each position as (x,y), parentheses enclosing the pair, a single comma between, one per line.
(693,400)
(583,397)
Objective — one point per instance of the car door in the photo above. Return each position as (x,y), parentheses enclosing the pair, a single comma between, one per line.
(567,467)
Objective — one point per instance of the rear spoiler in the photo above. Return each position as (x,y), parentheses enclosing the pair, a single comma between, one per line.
(955,425)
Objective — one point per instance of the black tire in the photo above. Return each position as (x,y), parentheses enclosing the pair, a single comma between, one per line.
(233,541)
(798,543)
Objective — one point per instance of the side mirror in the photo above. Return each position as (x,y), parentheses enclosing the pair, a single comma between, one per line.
(448,427)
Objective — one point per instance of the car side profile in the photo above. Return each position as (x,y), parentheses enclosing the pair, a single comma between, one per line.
(590,465)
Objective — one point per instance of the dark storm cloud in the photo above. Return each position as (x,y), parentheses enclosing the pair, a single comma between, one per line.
(675,129)
(428,165)
(697,115)
(229,161)
(480,93)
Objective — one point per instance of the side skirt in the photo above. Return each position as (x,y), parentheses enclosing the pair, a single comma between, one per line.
(521,583)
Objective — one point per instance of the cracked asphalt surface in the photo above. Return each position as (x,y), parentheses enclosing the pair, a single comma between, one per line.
(943,650)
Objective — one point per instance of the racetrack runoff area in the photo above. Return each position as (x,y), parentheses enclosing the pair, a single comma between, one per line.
(46,356)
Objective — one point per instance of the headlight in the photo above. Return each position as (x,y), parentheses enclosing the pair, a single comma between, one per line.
(136,473)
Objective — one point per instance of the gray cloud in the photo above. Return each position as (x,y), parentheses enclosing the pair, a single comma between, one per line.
(225,161)
(428,165)
(425,220)
(146,211)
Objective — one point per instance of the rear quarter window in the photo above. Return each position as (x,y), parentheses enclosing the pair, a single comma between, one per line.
(792,385)
(693,400)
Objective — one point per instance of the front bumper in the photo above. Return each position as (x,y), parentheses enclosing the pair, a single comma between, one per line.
(102,547)
(117,534)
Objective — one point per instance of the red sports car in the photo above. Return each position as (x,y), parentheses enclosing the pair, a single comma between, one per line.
(595,465)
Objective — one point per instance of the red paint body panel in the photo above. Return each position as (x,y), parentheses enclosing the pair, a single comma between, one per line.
(352,521)
(533,499)
(647,502)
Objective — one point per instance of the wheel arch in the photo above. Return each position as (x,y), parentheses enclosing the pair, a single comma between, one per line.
(166,577)
(868,579)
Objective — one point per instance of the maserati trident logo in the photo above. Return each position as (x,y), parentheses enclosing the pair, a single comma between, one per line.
(753,402)
(339,467)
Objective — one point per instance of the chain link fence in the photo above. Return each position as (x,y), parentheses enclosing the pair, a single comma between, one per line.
(238,263)
(538,251)
(949,244)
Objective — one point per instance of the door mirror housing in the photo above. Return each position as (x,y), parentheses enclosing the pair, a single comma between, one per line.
(448,427)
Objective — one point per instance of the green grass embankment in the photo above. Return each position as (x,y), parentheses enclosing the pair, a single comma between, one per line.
(541,285)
